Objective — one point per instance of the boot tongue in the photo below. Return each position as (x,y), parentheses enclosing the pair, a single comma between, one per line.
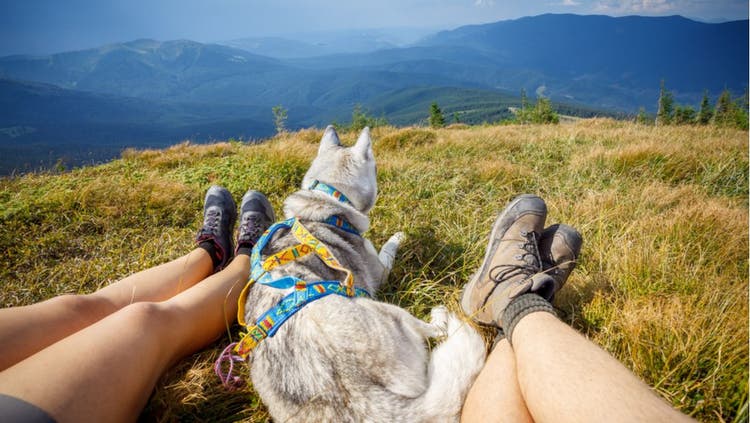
(543,285)
(531,254)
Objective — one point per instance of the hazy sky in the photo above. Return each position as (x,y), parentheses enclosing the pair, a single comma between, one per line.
(46,26)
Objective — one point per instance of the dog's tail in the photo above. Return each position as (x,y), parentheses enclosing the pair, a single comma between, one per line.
(454,365)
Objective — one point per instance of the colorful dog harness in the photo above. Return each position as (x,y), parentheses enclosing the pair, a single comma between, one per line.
(304,292)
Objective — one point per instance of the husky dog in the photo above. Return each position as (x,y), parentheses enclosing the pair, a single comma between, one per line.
(343,359)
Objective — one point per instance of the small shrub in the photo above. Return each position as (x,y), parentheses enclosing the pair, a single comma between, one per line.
(280,115)
(542,112)
(361,118)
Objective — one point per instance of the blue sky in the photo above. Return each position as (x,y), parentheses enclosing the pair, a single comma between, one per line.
(46,26)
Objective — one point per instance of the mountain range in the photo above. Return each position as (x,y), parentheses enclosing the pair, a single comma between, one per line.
(313,44)
(152,93)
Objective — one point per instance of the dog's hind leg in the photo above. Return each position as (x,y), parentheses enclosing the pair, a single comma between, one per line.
(387,254)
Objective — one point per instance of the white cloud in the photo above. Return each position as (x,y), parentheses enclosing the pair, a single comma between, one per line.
(634,6)
(484,3)
(565,3)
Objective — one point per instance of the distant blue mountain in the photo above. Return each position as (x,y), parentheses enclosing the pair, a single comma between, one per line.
(278,47)
(186,71)
(42,123)
(320,43)
(605,62)
(601,61)
(142,68)
(583,55)
(148,92)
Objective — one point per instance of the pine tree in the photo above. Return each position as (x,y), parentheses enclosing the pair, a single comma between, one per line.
(436,116)
(279,118)
(705,114)
(524,100)
(359,117)
(741,112)
(683,115)
(543,112)
(524,114)
(666,106)
(642,118)
(724,113)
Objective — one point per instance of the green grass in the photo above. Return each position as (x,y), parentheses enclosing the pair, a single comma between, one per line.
(662,281)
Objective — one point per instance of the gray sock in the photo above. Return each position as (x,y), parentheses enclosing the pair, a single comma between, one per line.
(520,307)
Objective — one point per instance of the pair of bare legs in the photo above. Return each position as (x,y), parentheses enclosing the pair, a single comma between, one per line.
(97,357)
(553,374)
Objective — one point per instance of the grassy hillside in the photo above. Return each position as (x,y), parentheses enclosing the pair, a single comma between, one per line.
(662,281)
(471,106)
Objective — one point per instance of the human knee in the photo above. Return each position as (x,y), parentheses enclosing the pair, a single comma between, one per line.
(157,317)
(145,313)
(85,307)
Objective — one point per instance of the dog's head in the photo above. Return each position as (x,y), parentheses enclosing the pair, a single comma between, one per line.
(350,170)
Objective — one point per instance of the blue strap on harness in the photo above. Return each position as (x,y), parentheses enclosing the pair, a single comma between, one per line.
(341,223)
(270,321)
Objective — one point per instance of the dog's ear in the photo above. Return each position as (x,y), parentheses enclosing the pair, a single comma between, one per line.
(363,147)
(330,139)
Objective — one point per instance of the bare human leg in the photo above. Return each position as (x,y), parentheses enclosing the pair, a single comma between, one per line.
(106,371)
(495,395)
(28,329)
(553,374)
(566,378)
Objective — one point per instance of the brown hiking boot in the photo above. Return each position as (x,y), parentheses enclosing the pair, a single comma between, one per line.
(512,265)
(559,248)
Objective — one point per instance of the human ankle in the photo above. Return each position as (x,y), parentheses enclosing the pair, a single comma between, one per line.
(521,307)
(210,247)
(244,249)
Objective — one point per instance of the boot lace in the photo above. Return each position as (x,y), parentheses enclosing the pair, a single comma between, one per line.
(251,228)
(211,224)
(530,247)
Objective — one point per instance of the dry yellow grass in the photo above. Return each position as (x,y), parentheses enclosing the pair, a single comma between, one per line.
(661,284)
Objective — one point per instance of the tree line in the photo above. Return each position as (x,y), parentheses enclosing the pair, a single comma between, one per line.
(540,113)
(728,111)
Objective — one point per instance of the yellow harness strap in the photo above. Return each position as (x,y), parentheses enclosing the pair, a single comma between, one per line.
(308,244)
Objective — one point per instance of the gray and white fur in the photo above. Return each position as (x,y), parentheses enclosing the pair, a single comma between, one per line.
(355,360)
